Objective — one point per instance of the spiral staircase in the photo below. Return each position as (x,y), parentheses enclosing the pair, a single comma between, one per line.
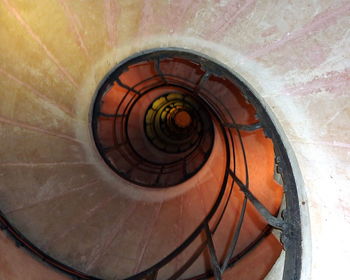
(165,119)
(132,149)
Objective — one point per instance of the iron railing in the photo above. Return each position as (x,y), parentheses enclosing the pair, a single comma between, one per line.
(289,225)
(122,143)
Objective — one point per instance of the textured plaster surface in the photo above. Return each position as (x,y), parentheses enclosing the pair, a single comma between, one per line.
(17,264)
(53,54)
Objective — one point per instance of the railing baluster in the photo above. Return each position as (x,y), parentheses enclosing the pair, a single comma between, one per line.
(189,262)
(158,70)
(272,220)
(159,175)
(202,80)
(246,127)
(213,257)
(119,82)
(235,237)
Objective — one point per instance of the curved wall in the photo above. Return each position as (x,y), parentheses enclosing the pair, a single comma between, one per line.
(53,55)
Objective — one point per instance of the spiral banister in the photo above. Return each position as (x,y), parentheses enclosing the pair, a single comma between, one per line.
(215,112)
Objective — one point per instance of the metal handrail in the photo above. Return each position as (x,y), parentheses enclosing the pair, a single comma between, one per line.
(227,127)
(142,162)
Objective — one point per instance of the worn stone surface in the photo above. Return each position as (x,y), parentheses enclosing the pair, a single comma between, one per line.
(53,54)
